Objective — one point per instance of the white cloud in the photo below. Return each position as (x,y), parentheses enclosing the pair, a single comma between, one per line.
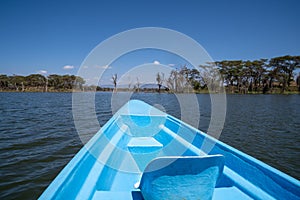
(42,72)
(103,67)
(85,67)
(156,62)
(106,67)
(171,65)
(68,67)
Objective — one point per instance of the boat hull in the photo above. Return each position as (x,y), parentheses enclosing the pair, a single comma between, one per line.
(113,161)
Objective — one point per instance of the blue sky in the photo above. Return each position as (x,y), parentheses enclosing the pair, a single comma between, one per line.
(49,35)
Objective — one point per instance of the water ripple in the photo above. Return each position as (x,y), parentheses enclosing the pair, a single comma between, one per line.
(38,136)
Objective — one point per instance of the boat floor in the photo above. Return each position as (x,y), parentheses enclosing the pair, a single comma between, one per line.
(123,188)
(219,193)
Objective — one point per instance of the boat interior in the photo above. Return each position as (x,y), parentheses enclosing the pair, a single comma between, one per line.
(141,156)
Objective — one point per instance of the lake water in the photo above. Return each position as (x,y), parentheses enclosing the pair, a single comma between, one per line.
(38,135)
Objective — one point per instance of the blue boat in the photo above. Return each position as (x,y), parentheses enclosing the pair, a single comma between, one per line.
(144,153)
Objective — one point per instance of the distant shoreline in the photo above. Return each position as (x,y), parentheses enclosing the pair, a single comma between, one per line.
(154,92)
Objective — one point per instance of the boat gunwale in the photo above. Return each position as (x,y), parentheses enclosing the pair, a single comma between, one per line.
(252,161)
(57,184)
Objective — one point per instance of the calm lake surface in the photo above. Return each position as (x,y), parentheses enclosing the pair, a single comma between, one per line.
(38,137)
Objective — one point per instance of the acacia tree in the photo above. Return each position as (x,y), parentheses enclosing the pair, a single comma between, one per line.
(4,82)
(79,81)
(181,80)
(283,68)
(39,82)
(59,82)
(36,80)
(55,81)
(258,73)
(195,79)
(231,72)
(19,81)
(211,77)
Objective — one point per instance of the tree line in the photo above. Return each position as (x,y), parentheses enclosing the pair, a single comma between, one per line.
(38,82)
(275,75)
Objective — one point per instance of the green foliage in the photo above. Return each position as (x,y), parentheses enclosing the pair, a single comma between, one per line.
(283,69)
(238,76)
(258,76)
(38,82)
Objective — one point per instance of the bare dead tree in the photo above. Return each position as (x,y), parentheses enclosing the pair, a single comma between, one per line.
(138,84)
(114,79)
(160,79)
